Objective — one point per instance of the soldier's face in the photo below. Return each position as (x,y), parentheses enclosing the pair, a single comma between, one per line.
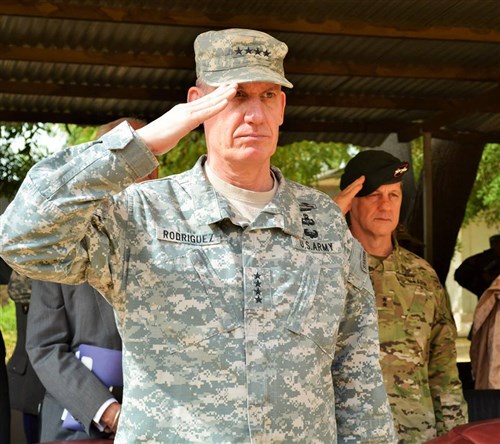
(247,129)
(378,213)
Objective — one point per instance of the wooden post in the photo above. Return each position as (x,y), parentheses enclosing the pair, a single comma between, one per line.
(428,215)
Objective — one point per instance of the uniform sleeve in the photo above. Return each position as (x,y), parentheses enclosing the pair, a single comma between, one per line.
(48,343)
(43,231)
(362,410)
(446,389)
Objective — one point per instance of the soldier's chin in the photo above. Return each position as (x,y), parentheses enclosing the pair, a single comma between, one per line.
(386,228)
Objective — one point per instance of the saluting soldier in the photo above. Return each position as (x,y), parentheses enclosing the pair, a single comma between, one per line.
(242,321)
(416,325)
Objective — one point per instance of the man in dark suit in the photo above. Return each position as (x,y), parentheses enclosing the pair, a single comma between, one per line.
(4,396)
(25,389)
(61,318)
(5,271)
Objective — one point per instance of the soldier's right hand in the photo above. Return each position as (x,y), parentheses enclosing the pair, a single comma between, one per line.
(162,134)
(345,197)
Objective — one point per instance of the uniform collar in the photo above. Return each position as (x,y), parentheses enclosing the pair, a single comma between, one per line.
(283,211)
(210,208)
(389,263)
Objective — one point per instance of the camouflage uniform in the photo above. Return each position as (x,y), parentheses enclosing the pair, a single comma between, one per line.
(230,334)
(417,343)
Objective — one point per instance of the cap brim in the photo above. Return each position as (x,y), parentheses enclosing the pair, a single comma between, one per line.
(244,75)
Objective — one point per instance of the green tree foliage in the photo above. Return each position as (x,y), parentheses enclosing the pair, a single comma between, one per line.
(304,161)
(484,200)
(21,148)
(79,134)
(184,155)
(19,151)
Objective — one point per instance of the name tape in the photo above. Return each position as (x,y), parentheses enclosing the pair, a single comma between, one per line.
(187,238)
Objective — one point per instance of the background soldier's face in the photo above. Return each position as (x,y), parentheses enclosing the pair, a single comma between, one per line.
(378,213)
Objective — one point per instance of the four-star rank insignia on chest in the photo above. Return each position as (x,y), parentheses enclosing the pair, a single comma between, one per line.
(257,288)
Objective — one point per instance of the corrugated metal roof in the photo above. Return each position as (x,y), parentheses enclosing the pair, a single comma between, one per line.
(361,69)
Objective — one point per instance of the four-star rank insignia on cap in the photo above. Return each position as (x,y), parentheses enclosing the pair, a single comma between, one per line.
(256,50)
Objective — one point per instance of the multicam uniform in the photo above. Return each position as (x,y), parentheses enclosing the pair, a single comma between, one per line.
(230,334)
(417,343)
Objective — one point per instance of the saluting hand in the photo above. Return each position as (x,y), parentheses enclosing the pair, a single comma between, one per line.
(345,197)
(162,134)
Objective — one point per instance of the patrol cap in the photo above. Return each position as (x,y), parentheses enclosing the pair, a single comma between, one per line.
(239,55)
(378,167)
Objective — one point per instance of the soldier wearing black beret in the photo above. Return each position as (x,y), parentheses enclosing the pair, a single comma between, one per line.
(378,167)
(416,327)
(365,172)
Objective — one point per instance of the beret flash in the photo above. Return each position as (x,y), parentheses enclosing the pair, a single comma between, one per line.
(378,167)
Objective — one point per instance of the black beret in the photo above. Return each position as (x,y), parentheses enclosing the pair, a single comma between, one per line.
(378,167)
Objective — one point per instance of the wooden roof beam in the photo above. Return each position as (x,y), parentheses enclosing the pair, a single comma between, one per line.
(290,125)
(60,10)
(33,116)
(70,55)
(90,91)
(168,95)
(454,111)
(383,127)
(299,67)
(459,109)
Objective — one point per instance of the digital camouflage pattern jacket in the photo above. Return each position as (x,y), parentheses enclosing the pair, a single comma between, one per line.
(265,333)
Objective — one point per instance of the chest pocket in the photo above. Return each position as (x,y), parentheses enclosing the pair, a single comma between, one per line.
(420,316)
(403,310)
(318,306)
(181,303)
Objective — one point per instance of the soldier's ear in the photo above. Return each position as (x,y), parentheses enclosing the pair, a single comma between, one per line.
(194,93)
